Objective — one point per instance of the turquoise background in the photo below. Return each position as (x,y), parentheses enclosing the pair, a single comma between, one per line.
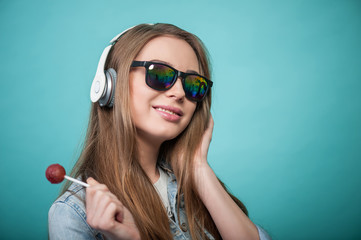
(287,104)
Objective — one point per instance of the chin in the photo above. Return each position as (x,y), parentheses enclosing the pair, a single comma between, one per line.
(158,135)
(166,133)
(168,136)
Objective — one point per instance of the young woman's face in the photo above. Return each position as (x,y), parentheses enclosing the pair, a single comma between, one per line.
(162,115)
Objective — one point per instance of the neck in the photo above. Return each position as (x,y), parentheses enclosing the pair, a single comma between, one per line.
(148,156)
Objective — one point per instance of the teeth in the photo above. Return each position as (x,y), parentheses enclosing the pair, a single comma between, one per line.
(165,110)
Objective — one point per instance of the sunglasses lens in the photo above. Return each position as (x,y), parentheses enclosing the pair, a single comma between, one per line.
(195,87)
(160,77)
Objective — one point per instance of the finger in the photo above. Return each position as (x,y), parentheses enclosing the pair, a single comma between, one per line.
(96,185)
(91,181)
(92,194)
(107,213)
(114,212)
(207,137)
(100,208)
(118,215)
(97,198)
(210,123)
(93,197)
(211,120)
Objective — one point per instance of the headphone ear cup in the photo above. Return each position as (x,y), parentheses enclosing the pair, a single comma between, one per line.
(98,87)
(110,82)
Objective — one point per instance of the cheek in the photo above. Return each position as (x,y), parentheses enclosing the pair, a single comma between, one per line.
(191,108)
(138,104)
(136,99)
(138,92)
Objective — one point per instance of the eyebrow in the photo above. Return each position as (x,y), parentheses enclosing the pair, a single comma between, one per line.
(167,63)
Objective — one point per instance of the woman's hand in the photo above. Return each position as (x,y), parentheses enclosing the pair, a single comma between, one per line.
(202,151)
(201,167)
(230,220)
(106,213)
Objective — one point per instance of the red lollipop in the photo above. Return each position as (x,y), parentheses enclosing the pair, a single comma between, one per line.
(55,173)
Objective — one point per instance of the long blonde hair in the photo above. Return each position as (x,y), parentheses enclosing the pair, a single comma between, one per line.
(110,152)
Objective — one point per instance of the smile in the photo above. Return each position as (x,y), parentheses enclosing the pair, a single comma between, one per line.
(165,110)
(169,109)
(169,113)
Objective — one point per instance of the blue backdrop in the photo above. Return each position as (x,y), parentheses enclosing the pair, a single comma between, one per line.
(287,104)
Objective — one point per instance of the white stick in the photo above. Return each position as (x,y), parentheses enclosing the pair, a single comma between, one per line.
(76,181)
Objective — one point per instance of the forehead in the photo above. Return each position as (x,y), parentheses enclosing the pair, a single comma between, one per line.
(177,52)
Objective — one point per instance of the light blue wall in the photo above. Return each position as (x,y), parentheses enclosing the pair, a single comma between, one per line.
(287,104)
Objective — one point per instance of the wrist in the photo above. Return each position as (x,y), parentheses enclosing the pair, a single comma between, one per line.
(200,169)
(203,175)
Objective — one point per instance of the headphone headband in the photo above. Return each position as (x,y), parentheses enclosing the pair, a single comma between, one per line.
(103,86)
(98,88)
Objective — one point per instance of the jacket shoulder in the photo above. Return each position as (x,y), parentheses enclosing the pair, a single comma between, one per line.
(67,216)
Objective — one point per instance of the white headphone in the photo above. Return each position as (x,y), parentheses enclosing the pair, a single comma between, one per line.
(103,86)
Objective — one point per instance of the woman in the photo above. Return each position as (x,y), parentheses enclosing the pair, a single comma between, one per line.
(148,149)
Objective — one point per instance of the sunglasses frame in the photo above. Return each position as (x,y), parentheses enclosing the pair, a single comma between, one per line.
(178,74)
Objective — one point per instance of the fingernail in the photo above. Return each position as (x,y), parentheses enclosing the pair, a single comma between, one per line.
(90,179)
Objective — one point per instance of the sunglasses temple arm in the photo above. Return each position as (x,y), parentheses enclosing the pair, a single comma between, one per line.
(138,64)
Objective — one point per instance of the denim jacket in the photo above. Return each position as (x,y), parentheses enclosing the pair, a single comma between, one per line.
(67,216)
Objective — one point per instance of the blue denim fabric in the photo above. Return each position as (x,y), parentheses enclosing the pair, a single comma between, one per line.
(67,216)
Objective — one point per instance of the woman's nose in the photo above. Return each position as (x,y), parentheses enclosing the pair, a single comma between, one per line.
(176,91)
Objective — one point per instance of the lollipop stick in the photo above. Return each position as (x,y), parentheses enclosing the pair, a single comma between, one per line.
(76,181)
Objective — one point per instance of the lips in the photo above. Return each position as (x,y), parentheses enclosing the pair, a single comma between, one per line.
(169,113)
(169,109)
